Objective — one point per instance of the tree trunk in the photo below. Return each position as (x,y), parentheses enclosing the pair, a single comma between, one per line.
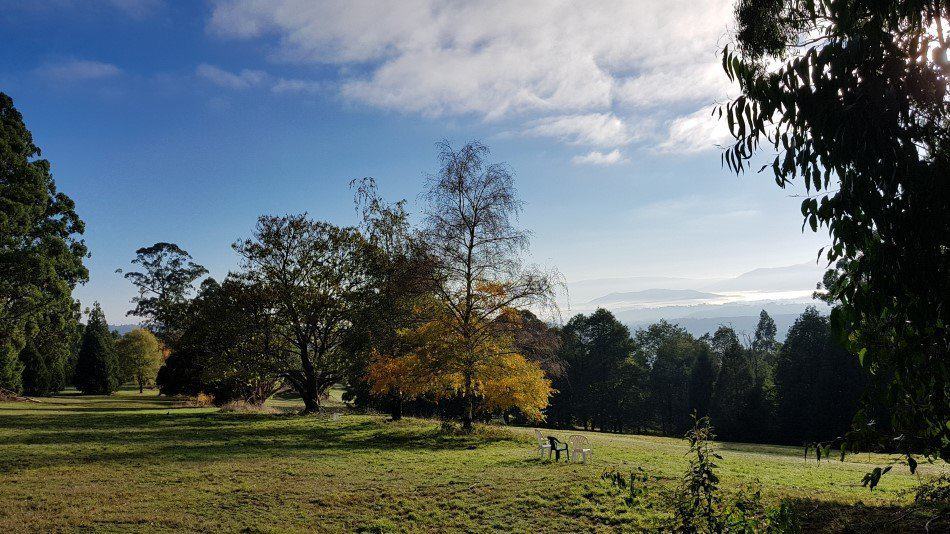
(397,407)
(468,415)
(311,398)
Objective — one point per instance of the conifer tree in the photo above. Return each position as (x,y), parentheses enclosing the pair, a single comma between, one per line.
(97,365)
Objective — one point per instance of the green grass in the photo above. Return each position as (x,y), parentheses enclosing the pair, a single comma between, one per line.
(140,462)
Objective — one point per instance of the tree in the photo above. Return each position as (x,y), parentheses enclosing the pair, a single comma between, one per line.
(731,406)
(478,274)
(818,384)
(40,251)
(140,356)
(671,350)
(97,370)
(852,98)
(164,285)
(383,363)
(47,356)
(318,277)
(764,344)
(702,377)
(602,386)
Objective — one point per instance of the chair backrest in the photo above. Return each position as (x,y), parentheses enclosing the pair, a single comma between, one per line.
(554,441)
(578,442)
(537,434)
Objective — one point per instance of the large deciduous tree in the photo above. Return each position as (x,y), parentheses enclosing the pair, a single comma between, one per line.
(478,274)
(384,364)
(852,99)
(164,284)
(229,347)
(318,277)
(40,252)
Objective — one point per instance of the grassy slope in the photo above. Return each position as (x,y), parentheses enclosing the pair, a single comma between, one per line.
(133,462)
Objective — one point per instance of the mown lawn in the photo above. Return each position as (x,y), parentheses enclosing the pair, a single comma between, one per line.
(140,462)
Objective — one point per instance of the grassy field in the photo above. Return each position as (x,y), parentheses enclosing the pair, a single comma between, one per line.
(140,462)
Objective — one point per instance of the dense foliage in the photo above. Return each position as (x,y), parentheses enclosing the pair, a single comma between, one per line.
(851,97)
(318,278)
(164,284)
(654,380)
(97,365)
(478,282)
(41,259)
(139,356)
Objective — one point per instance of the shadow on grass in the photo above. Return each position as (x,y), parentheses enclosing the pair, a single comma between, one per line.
(82,433)
(821,516)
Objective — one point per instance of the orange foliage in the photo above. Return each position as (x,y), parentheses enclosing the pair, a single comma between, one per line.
(435,361)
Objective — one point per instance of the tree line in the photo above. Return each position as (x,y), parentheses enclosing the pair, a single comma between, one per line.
(752,388)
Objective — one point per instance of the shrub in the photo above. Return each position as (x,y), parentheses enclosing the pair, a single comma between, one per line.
(699,503)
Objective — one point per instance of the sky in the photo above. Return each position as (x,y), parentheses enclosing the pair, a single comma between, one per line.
(185,121)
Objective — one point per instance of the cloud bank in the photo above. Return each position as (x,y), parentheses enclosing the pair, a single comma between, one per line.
(581,74)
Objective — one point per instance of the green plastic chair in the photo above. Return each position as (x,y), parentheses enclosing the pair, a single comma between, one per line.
(557,447)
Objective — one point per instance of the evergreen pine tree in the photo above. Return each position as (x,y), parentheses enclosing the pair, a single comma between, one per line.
(97,365)
(36,375)
(818,384)
(702,376)
(732,386)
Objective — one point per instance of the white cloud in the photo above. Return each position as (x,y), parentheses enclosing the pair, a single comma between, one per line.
(596,157)
(241,80)
(282,85)
(248,78)
(596,129)
(696,132)
(534,61)
(78,70)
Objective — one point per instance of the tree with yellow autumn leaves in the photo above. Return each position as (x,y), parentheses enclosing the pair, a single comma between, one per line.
(432,359)
(464,343)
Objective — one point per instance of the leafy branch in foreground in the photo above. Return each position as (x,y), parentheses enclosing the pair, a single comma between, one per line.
(851,98)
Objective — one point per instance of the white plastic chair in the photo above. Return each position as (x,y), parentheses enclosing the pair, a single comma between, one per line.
(543,445)
(580,446)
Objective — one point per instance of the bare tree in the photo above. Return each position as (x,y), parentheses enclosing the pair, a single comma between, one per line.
(479,274)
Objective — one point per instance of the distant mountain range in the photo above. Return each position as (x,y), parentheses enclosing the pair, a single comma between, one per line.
(791,278)
(654,295)
(702,305)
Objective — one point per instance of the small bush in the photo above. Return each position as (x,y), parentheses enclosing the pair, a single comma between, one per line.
(201,400)
(450,428)
(700,506)
(634,483)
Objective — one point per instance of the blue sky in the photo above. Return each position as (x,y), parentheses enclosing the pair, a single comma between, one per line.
(184,121)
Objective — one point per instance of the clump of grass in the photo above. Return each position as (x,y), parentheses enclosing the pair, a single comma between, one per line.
(201,400)
(240,406)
